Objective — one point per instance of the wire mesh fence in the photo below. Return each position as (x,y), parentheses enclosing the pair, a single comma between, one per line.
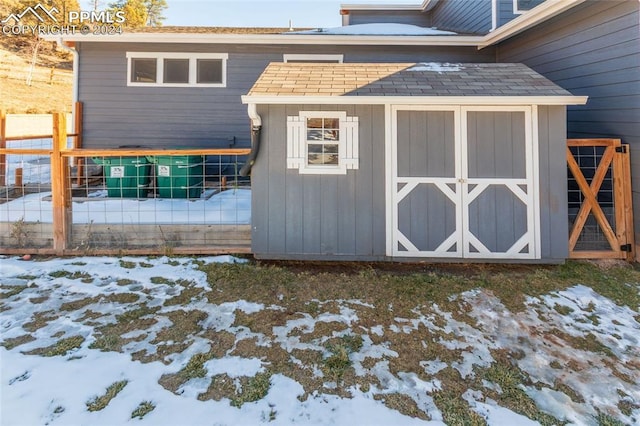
(144,201)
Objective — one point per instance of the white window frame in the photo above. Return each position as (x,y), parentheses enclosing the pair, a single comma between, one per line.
(338,58)
(193,68)
(516,9)
(297,143)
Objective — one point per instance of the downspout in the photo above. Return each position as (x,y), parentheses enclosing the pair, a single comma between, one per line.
(75,54)
(256,128)
(494,15)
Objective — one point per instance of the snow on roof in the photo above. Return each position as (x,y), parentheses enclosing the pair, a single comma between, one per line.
(377,29)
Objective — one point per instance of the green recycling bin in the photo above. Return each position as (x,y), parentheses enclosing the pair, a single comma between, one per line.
(126,177)
(179,176)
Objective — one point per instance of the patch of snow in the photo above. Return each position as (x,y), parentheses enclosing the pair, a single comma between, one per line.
(433,367)
(436,67)
(377,29)
(234,366)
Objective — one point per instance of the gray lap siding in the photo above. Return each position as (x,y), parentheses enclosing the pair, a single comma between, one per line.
(592,50)
(319,215)
(166,117)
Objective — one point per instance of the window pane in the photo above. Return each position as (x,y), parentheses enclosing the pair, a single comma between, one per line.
(331,135)
(314,135)
(176,71)
(331,154)
(314,123)
(209,71)
(331,123)
(143,70)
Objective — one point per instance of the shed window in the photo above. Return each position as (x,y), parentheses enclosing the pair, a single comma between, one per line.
(176,69)
(322,142)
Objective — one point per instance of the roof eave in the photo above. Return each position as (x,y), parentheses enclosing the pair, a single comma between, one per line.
(410,7)
(546,10)
(416,100)
(285,39)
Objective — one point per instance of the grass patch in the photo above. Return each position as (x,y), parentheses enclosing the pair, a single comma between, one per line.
(335,366)
(125,281)
(255,389)
(61,347)
(193,369)
(27,277)
(404,404)
(145,265)
(136,314)
(510,379)
(604,419)
(12,290)
(39,320)
(107,343)
(185,297)
(127,264)
(83,276)
(13,342)
(100,402)
(162,280)
(79,304)
(455,410)
(144,408)
(562,309)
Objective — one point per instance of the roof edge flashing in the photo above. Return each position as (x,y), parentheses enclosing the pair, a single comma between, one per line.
(415,100)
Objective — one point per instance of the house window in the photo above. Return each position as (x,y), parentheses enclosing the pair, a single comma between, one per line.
(176,69)
(322,142)
(522,6)
(313,58)
(143,70)
(210,71)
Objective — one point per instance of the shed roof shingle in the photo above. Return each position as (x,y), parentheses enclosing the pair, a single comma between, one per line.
(406,79)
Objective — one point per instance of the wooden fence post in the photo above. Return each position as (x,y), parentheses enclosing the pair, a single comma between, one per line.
(77,144)
(60,186)
(3,145)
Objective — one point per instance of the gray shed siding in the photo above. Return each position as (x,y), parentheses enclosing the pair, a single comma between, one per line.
(463,16)
(412,17)
(116,115)
(327,217)
(592,50)
(313,216)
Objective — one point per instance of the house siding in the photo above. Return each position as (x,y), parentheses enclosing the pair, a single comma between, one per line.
(463,16)
(412,17)
(319,216)
(592,50)
(117,115)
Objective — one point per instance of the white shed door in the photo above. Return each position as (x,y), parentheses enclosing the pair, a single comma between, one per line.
(462,183)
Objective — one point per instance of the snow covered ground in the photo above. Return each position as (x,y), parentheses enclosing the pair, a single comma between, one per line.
(60,351)
(227,207)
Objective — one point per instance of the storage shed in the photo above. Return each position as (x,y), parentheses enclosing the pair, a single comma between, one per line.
(405,161)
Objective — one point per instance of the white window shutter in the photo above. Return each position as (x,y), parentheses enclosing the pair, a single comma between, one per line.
(349,156)
(295,142)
